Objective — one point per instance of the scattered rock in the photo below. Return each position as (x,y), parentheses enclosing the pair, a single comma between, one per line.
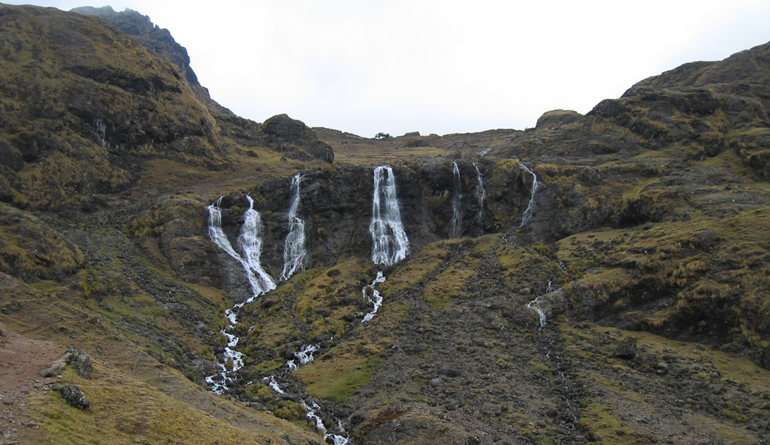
(74,396)
(626,350)
(54,369)
(80,361)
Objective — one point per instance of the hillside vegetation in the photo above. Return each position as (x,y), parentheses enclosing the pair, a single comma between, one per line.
(645,249)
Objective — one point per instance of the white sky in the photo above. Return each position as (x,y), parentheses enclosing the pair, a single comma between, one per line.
(394,66)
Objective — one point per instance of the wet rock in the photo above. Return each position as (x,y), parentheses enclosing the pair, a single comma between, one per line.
(74,396)
(289,354)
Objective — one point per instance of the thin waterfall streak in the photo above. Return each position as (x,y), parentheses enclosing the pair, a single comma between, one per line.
(294,251)
(531,205)
(456,225)
(389,241)
(481,195)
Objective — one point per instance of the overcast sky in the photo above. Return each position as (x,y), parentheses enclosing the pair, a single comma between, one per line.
(439,66)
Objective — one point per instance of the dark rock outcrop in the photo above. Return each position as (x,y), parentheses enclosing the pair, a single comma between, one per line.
(295,139)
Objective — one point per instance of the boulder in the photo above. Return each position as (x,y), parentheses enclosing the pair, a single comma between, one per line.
(80,361)
(74,396)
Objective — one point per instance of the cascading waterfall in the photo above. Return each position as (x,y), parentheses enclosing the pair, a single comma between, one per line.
(319,425)
(304,356)
(456,225)
(250,240)
(375,298)
(481,195)
(389,240)
(294,246)
(531,205)
(251,243)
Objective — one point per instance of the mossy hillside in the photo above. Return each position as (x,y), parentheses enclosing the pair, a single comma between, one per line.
(619,403)
(418,266)
(706,274)
(132,393)
(31,249)
(455,282)
(79,94)
(115,284)
(129,410)
(355,149)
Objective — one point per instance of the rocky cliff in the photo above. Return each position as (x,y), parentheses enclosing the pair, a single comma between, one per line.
(621,297)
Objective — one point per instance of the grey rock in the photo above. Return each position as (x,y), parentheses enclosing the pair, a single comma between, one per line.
(74,396)
(80,361)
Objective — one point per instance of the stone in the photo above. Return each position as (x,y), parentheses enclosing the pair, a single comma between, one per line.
(626,350)
(54,369)
(74,396)
(80,361)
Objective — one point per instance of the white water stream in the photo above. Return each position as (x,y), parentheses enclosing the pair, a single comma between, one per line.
(389,241)
(535,306)
(531,205)
(481,195)
(250,242)
(456,224)
(294,246)
(375,298)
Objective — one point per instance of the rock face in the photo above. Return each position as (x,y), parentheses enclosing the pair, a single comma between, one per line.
(336,205)
(557,118)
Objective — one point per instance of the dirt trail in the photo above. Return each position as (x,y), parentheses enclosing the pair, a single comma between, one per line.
(21,360)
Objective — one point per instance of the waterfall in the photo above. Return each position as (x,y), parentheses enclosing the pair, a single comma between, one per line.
(294,246)
(375,298)
(531,205)
(389,242)
(481,195)
(250,240)
(251,243)
(535,305)
(456,225)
